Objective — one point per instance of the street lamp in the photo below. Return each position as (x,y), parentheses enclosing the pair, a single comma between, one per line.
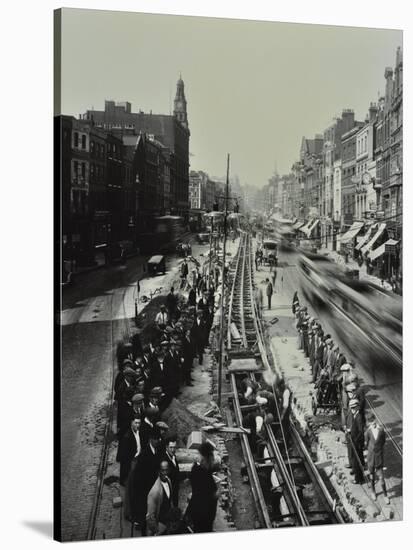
(221,338)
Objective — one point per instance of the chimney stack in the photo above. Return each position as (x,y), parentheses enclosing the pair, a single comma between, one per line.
(372,112)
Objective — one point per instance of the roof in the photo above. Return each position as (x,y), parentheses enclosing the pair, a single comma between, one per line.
(155,259)
(130,140)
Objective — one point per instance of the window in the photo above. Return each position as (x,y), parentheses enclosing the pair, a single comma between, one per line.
(75,169)
(76,139)
(83,170)
(83,141)
(92,148)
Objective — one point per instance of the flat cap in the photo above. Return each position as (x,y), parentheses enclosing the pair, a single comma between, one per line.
(157,390)
(138,398)
(261,400)
(345,367)
(162,425)
(129,372)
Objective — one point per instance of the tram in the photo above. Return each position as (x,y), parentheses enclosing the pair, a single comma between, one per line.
(365,315)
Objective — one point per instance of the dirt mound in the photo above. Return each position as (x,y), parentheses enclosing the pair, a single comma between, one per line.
(181,421)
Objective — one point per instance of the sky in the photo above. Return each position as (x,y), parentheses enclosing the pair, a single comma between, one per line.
(253,88)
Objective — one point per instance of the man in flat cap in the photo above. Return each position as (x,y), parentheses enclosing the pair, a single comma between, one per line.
(375,439)
(162,318)
(144,476)
(174,473)
(138,404)
(154,398)
(124,412)
(355,441)
(198,335)
(149,419)
(172,372)
(129,448)
(157,374)
(188,353)
(343,381)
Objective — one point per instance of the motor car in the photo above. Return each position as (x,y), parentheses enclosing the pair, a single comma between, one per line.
(156,264)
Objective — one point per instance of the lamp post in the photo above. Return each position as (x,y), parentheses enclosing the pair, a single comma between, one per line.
(221,336)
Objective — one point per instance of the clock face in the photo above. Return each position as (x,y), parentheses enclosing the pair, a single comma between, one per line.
(179,104)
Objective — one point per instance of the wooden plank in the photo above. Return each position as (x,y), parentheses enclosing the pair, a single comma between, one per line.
(234,430)
(243,365)
(226,429)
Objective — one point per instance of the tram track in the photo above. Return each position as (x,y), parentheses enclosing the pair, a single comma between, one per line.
(101,471)
(273,472)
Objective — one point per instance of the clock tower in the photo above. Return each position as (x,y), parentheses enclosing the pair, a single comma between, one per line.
(180,104)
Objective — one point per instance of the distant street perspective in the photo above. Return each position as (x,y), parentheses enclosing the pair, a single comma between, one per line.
(231,344)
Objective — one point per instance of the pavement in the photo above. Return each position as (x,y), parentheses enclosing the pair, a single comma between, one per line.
(384,393)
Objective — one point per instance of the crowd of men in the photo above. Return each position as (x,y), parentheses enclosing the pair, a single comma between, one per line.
(337,384)
(150,376)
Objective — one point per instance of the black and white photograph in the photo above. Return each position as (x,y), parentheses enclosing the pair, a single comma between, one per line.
(228,275)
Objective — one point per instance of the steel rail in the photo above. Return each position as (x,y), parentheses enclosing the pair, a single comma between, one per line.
(232,297)
(246,449)
(280,468)
(252,470)
(315,474)
(291,498)
(94,514)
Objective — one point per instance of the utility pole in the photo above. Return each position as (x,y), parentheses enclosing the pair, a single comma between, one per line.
(222,322)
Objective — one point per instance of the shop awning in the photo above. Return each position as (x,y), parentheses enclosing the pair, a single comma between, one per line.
(305,226)
(374,238)
(365,238)
(309,228)
(314,225)
(352,232)
(380,250)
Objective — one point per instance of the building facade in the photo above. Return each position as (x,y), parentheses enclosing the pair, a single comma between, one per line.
(170,130)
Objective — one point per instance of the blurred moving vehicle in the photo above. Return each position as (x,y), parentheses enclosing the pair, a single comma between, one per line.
(162,234)
(366,316)
(270,251)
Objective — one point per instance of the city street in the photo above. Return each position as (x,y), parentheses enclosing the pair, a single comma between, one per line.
(279,416)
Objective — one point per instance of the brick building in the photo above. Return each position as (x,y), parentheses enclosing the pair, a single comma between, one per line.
(170,130)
